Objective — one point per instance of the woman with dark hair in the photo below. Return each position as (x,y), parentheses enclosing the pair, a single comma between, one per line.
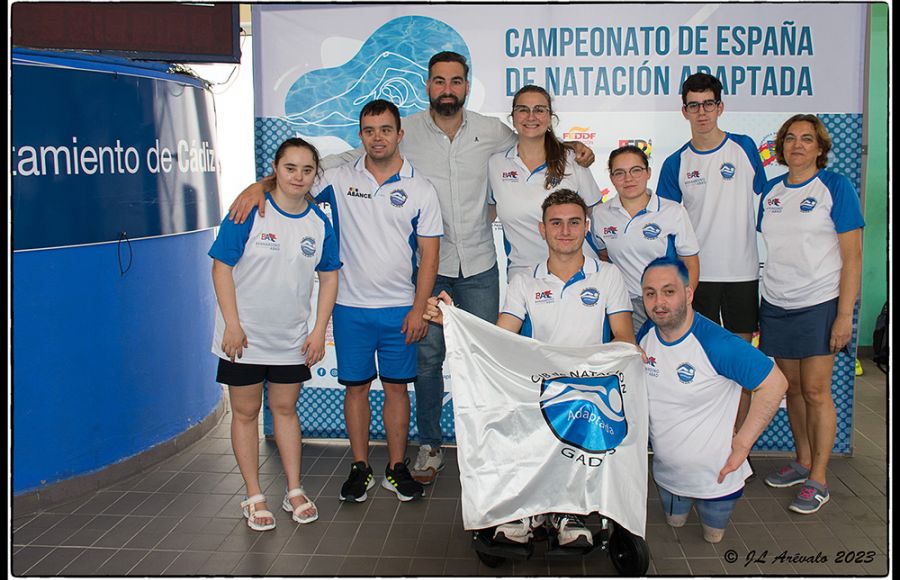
(811,223)
(521,178)
(263,273)
(637,226)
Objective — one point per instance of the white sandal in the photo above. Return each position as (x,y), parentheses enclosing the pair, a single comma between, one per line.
(296,511)
(251,513)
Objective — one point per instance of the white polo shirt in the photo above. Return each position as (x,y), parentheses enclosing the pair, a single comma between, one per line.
(634,242)
(571,313)
(377,226)
(275,258)
(518,194)
(800,226)
(694,387)
(719,188)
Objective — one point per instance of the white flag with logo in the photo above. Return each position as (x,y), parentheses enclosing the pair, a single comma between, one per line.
(544,428)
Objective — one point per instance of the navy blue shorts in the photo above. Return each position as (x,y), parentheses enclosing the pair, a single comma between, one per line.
(796,333)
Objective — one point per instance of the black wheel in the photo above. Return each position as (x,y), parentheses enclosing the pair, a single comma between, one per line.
(629,553)
(489,560)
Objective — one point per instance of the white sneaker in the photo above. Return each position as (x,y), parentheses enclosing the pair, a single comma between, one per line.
(429,461)
(571,531)
(516,531)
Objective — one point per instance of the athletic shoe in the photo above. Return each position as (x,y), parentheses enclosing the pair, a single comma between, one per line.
(859,369)
(399,481)
(571,531)
(518,531)
(812,496)
(429,461)
(360,481)
(791,474)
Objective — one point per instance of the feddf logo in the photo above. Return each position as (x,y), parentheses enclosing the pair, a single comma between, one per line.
(583,134)
(685,373)
(585,412)
(308,247)
(398,198)
(651,231)
(808,204)
(590,296)
(727,170)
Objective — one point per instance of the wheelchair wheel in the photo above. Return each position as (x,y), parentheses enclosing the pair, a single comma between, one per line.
(629,553)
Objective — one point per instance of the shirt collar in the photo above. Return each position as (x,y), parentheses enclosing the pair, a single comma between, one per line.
(652,205)
(590,266)
(406,170)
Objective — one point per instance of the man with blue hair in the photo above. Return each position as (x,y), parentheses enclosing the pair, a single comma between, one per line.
(696,371)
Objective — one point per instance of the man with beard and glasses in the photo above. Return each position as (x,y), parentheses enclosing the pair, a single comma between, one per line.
(451,146)
(695,373)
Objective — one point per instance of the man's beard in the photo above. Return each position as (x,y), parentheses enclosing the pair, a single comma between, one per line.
(446,109)
(675,320)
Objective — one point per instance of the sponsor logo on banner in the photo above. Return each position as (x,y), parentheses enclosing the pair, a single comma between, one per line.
(590,296)
(651,231)
(808,204)
(767,150)
(586,412)
(308,247)
(398,198)
(685,372)
(645,146)
(583,134)
(727,170)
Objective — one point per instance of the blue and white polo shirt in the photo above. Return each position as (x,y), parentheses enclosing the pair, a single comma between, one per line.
(634,242)
(518,194)
(719,188)
(377,226)
(275,258)
(694,387)
(568,313)
(800,226)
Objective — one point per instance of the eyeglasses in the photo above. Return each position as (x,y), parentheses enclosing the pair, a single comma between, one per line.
(538,110)
(708,106)
(634,172)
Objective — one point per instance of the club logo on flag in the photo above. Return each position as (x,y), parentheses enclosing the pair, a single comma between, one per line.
(585,412)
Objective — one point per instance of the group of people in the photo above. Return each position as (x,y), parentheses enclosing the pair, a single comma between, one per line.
(411,214)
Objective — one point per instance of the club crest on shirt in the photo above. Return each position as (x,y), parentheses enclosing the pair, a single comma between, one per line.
(727,170)
(685,372)
(586,412)
(651,231)
(398,198)
(308,247)
(590,296)
(808,204)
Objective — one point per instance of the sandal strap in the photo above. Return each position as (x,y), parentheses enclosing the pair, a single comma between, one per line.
(297,491)
(303,507)
(258,498)
(262,514)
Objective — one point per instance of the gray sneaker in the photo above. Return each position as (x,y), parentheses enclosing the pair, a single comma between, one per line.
(812,496)
(429,461)
(791,474)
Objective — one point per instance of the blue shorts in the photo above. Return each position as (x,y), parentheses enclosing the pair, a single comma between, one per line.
(796,333)
(362,333)
(715,513)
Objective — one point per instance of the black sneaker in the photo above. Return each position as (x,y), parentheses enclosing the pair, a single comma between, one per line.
(361,480)
(400,481)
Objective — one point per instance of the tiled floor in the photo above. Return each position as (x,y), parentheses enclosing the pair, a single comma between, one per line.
(182,518)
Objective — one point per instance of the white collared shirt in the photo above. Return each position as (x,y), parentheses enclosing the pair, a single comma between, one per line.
(518,194)
(634,242)
(377,226)
(568,313)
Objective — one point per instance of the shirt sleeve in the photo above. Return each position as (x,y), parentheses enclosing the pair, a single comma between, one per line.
(759,171)
(732,356)
(331,259)
(430,224)
(618,300)
(587,185)
(595,240)
(686,243)
(232,239)
(667,187)
(515,304)
(846,212)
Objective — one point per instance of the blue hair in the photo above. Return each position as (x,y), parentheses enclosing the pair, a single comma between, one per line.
(669,260)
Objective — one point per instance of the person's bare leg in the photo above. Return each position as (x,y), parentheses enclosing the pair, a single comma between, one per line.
(283,404)
(821,417)
(246,402)
(395,415)
(796,409)
(357,415)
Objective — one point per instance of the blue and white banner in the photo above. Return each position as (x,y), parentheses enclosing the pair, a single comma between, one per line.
(614,73)
(544,428)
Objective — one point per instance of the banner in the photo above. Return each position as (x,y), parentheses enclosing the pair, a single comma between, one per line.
(614,72)
(543,428)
